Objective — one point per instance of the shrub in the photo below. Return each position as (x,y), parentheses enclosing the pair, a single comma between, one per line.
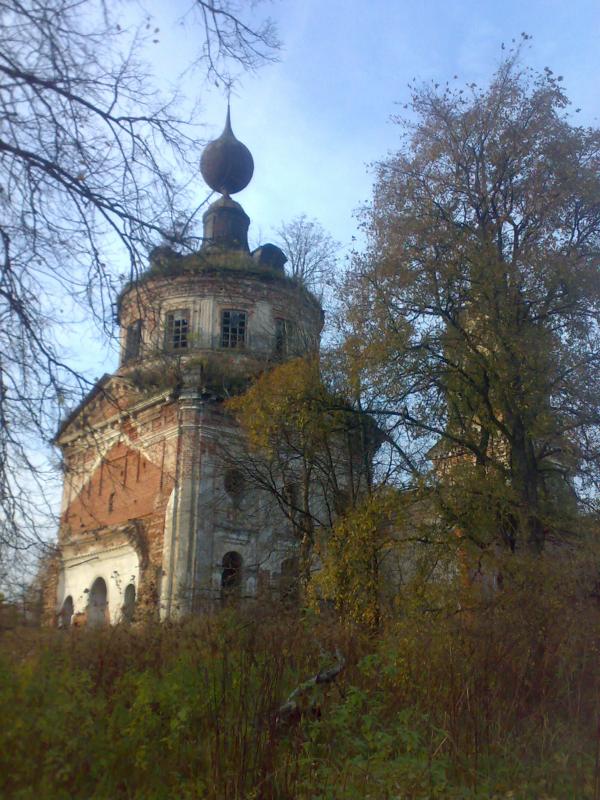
(462,695)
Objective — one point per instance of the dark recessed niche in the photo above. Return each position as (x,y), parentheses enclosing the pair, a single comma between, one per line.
(233,480)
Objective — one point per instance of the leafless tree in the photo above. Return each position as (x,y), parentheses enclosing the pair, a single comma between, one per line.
(311,253)
(228,38)
(89,151)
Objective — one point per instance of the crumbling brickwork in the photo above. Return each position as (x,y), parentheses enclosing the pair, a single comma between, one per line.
(146,515)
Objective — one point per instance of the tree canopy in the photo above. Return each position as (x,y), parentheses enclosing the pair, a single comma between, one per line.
(311,251)
(474,312)
(305,446)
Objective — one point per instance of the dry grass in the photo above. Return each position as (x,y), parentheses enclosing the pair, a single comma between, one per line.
(492,699)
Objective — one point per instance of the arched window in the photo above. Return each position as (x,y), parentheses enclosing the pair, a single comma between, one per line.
(233,480)
(231,577)
(281,337)
(97,605)
(66,613)
(128,603)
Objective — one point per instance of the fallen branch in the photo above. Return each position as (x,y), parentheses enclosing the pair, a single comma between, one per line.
(302,701)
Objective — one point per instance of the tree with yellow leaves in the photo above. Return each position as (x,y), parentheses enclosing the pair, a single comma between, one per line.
(476,306)
(307,446)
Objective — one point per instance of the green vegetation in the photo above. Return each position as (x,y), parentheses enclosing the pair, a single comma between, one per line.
(455,696)
(222,374)
(442,472)
(165,262)
(474,311)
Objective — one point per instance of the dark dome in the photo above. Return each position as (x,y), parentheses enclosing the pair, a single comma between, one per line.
(227,164)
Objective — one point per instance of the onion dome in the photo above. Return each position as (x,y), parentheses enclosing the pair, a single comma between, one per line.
(227,164)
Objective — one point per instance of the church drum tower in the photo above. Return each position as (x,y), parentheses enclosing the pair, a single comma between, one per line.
(153,521)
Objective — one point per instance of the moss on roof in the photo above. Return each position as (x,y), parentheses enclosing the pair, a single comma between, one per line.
(166,263)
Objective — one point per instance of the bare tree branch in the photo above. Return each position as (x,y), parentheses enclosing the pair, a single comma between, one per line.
(89,153)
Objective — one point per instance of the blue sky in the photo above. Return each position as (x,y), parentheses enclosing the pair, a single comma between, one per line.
(317,119)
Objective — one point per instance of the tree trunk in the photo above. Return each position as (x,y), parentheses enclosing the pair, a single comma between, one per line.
(525,481)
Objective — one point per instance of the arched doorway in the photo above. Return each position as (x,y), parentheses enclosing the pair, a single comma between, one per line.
(128,603)
(66,613)
(97,604)
(231,576)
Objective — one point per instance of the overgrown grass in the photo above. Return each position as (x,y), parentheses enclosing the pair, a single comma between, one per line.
(492,699)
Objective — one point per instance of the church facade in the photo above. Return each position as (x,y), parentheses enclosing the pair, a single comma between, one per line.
(154,519)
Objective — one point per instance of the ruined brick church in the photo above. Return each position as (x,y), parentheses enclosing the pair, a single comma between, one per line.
(153,519)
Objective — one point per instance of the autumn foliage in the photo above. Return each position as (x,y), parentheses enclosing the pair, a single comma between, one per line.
(467,699)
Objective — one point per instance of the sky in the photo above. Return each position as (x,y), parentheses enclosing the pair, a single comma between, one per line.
(318,119)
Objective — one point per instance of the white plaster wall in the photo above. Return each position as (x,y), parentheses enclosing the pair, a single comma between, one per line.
(205,317)
(255,528)
(206,295)
(261,536)
(263,322)
(166,584)
(206,310)
(119,566)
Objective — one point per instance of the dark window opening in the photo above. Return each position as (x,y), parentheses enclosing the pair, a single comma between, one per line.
(281,337)
(234,485)
(231,577)
(133,340)
(97,605)
(128,603)
(291,495)
(111,503)
(178,327)
(286,337)
(233,329)
(66,613)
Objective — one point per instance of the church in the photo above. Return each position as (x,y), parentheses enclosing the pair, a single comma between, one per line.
(153,519)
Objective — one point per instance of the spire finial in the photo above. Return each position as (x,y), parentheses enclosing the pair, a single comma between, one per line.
(228,118)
